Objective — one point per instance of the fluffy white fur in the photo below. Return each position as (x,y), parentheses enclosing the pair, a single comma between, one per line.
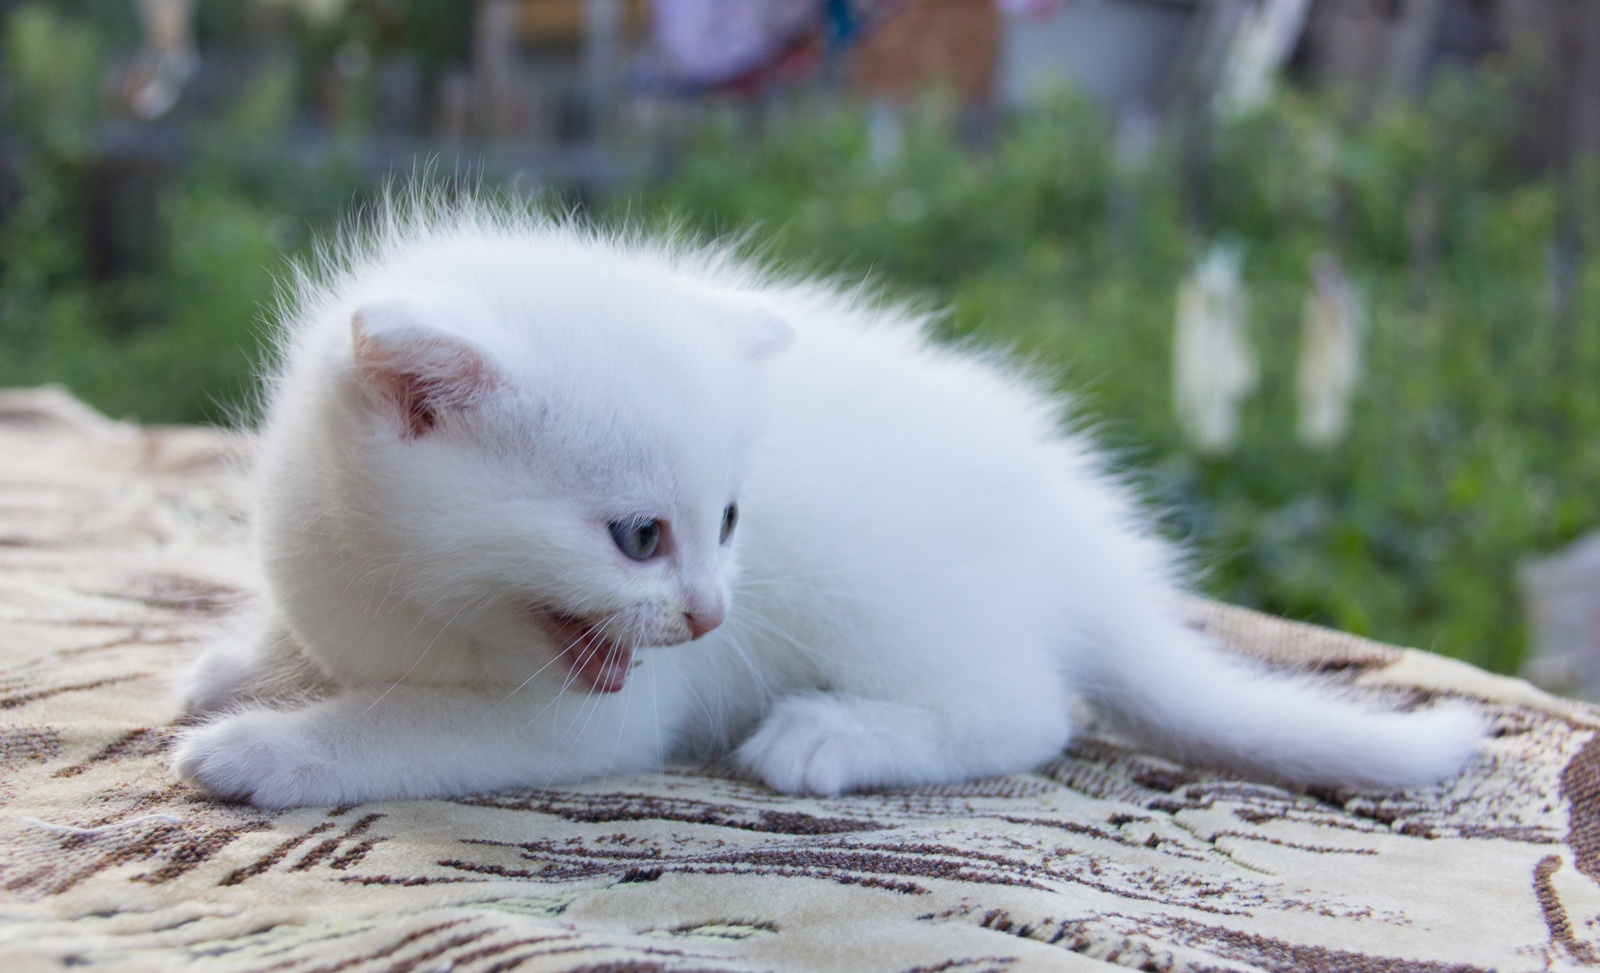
(925,571)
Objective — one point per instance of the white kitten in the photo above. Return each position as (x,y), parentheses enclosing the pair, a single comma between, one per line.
(537,505)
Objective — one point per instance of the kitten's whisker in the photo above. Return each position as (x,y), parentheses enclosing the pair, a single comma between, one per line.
(566,682)
(755,672)
(599,635)
(589,705)
(416,662)
(590,648)
(622,728)
(767,628)
(655,715)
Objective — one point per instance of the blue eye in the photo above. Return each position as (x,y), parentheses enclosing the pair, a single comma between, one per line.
(638,539)
(730,517)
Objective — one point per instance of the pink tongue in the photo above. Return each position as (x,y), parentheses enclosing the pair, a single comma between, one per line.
(602,668)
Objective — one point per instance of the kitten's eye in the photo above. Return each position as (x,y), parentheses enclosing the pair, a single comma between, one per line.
(730,517)
(637,539)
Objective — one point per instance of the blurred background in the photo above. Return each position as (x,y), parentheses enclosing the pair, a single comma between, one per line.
(1323,271)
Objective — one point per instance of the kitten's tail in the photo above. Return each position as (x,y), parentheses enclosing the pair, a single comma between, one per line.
(1173,688)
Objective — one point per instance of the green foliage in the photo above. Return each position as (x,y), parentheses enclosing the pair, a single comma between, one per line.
(1476,434)
(174,335)
(1473,441)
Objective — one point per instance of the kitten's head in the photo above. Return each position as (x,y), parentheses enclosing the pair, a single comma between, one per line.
(558,471)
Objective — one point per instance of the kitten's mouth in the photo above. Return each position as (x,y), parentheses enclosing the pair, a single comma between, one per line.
(594,661)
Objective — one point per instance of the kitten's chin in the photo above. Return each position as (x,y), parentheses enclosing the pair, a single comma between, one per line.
(595,662)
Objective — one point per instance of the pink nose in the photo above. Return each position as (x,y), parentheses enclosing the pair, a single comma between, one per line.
(702,622)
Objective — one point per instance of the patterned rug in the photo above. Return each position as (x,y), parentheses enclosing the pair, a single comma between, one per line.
(121,546)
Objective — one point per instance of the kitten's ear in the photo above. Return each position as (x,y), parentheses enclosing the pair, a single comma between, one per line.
(414,370)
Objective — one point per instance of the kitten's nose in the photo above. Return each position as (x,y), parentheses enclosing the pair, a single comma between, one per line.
(701,622)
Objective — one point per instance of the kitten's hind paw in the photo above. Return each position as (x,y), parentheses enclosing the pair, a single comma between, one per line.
(260,757)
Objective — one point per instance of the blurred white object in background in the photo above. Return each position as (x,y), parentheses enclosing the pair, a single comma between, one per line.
(1263,46)
(1561,599)
(1214,367)
(1330,353)
(709,41)
(167,60)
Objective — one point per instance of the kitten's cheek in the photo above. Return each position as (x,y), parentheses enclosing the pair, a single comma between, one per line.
(260,758)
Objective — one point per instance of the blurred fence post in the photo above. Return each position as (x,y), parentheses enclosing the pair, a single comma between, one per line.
(494,69)
(1578,74)
(1561,594)
(1202,64)
(1411,45)
(1264,43)
(602,42)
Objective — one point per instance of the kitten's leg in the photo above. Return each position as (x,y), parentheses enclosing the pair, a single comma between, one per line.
(416,742)
(831,742)
(259,662)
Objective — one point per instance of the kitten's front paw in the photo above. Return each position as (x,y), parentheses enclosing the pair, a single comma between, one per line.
(218,680)
(818,744)
(260,757)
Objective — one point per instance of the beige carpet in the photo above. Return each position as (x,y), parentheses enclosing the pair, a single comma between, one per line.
(119,546)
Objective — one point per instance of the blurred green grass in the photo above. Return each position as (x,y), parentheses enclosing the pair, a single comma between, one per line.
(1476,432)
(1474,437)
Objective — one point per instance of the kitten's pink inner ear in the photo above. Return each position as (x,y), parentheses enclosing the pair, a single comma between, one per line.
(418,372)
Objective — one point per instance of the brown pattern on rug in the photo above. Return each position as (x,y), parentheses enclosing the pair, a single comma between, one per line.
(121,546)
